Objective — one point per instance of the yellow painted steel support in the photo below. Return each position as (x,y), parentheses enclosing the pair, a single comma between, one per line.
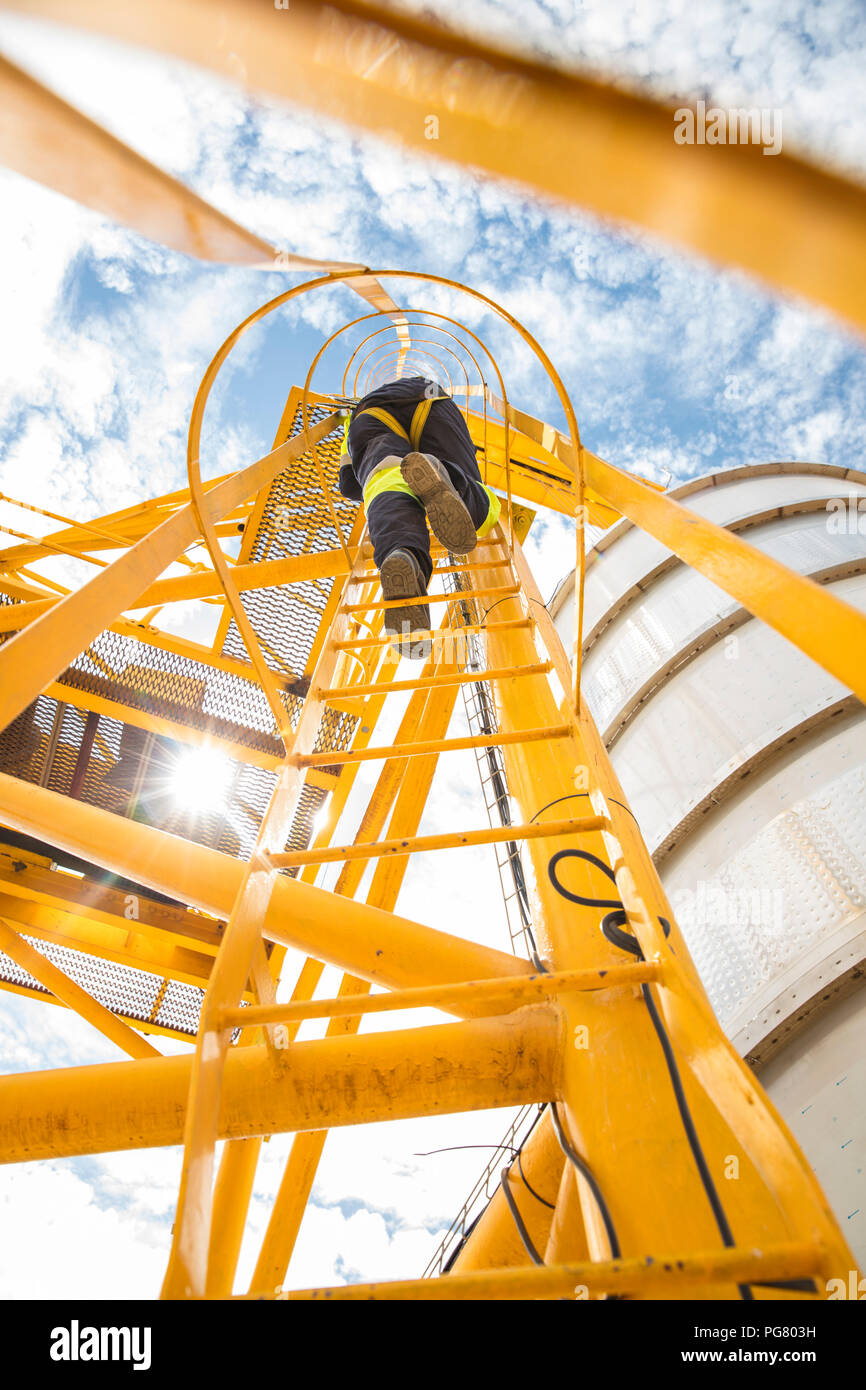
(453,678)
(379,946)
(493,590)
(443,636)
(48,974)
(232,1192)
(288,1211)
(614,1045)
(800,227)
(446,1069)
(505,993)
(428,712)
(495,1242)
(144,948)
(418,843)
(539,734)
(43,650)
(829,630)
(567,1240)
(672,1274)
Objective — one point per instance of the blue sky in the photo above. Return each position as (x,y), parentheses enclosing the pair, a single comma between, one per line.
(675,367)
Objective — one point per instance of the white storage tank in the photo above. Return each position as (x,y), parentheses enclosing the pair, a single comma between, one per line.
(745,764)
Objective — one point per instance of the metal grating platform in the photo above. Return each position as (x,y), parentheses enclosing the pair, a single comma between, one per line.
(134,994)
(131,771)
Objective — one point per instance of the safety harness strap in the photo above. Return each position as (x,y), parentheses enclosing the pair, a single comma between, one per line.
(387,419)
(419,420)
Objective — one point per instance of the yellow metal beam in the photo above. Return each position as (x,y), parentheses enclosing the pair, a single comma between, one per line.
(541,734)
(495,1241)
(120,943)
(530,990)
(33,658)
(829,630)
(452,1068)
(42,969)
(376,945)
(428,682)
(232,1192)
(801,228)
(114,908)
(416,844)
(679,1274)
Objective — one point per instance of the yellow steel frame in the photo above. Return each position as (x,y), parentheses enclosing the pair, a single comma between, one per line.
(512,1012)
(613,1225)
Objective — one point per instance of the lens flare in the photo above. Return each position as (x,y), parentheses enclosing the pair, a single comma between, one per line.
(201,781)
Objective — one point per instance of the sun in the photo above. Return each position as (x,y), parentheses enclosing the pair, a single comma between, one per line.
(201,780)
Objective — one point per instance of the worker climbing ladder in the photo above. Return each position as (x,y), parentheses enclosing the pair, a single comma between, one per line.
(648,1111)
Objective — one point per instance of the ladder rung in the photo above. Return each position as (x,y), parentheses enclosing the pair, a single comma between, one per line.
(435,745)
(440,635)
(507,591)
(451,569)
(431,682)
(508,991)
(437,551)
(658,1277)
(416,844)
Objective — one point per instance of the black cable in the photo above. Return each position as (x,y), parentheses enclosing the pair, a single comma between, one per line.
(449,1265)
(527,1184)
(518,1220)
(574,897)
(489,610)
(691,1133)
(612,926)
(795,1285)
(586,1172)
(572,796)
(451,1148)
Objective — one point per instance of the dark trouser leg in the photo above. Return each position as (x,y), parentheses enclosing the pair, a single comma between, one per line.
(398,522)
(395,520)
(446,437)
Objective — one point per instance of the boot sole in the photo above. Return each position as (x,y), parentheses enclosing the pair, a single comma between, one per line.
(399,580)
(449,519)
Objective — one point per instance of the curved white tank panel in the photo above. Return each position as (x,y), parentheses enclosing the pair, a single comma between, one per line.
(715,714)
(682,605)
(745,764)
(773,883)
(634,555)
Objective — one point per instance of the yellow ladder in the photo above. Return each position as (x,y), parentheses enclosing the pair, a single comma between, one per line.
(663,1168)
(649,1110)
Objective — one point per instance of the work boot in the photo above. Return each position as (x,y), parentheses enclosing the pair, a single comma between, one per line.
(401,577)
(449,519)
